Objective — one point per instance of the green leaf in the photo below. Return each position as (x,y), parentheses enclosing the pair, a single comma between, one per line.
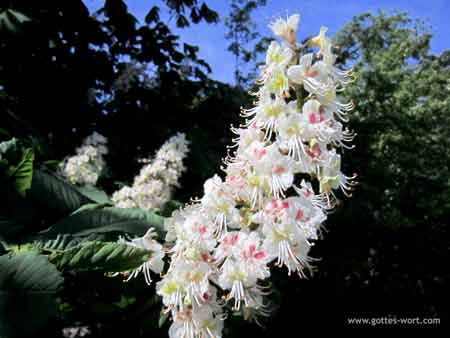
(55,193)
(125,302)
(170,207)
(22,174)
(5,22)
(17,164)
(51,165)
(11,20)
(103,256)
(28,282)
(209,15)
(29,272)
(94,194)
(182,21)
(61,243)
(152,15)
(162,319)
(86,222)
(89,206)
(19,17)
(5,132)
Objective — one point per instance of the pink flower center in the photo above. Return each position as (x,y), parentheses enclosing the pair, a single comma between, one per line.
(259,255)
(235,180)
(279,169)
(314,151)
(300,215)
(311,72)
(253,253)
(259,153)
(252,248)
(315,118)
(205,256)
(274,204)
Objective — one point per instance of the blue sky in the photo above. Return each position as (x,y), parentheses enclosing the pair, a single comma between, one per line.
(314,13)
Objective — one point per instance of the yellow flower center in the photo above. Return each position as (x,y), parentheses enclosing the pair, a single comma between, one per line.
(223,207)
(254,180)
(209,324)
(170,287)
(193,254)
(280,235)
(279,81)
(237,276)
(194,276)
(272,110)
(293,130)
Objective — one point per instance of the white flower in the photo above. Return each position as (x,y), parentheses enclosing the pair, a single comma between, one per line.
(308,75)
(236,277)
(331,177)
(332,104)
(278,55)
(307,215)
(204,321)
(287,29)
(155,263)
(247,136)
(274,169)
(219,205)
(266,114)
(320,41)
(277,82)
(153,187)
(87,165)
(291,132)
(288,244)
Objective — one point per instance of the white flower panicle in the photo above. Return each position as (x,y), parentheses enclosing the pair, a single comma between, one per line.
(262,213)
(153,187)
(86,166)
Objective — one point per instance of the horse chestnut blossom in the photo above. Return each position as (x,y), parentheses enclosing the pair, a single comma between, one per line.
(87,165)
(287,29)
(153,187)
(265,213)
(155,263)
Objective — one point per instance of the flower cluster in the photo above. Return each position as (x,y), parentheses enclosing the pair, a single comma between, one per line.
(265,211)
(86,166)
(153,187)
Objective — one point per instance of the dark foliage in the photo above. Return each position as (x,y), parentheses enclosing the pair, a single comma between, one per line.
(385,251)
